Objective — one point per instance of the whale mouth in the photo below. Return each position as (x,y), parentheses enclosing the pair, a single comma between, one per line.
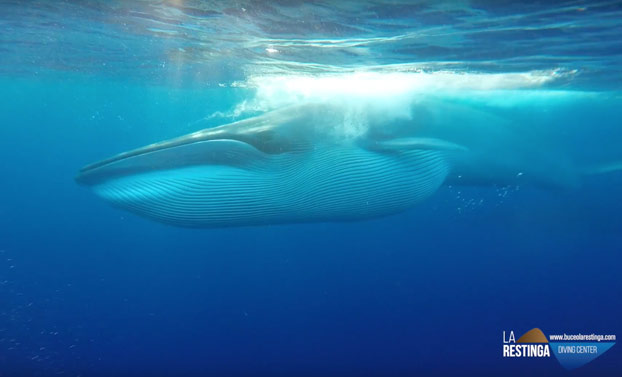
(276,132)
(171,155)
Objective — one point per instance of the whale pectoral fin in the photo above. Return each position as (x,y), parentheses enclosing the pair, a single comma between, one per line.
(416,143)
(603,168)
(211,152)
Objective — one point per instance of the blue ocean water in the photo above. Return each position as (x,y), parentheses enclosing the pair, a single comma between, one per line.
(90,290)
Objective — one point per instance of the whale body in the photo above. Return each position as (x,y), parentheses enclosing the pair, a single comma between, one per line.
(306,163)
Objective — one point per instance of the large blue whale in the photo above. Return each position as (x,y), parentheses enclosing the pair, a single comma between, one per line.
(317,162)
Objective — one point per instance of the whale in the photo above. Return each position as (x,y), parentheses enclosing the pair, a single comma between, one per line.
(318,162)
